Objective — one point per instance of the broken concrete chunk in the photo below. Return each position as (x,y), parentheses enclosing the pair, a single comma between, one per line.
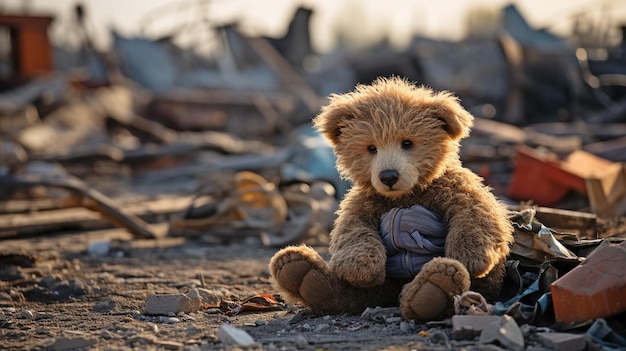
(166,304)
(594,289)
(234,336)
(504,332)
(470,326)
(563,341)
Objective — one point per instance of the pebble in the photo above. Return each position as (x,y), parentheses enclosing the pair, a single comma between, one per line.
(28,314)
(404,327)
(393,320)
(99,248)
(321,328)
(210,296)
(169,320)
(301,342)
(260,322)
(66,344)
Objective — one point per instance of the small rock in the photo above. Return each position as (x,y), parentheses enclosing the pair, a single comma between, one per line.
(6,300)
(505,332)
(169,320)
(260,322)
(210,296)
(28,314)
(470,326)
(165,304)
(393,320)
(230,335)
(104,306)
(107,335)
(563,341)
(170,345)
(380,314)
(142,339)
(49,281)
(321,328)
(11,273)
(404,327)
(301,342)
(66,344)
(99,248)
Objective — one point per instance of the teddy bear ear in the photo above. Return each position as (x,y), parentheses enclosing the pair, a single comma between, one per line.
(456,120)
(333,118)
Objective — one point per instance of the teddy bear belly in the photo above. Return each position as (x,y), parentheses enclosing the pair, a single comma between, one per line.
(412,237)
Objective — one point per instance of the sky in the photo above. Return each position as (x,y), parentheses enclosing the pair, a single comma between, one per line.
(439,19)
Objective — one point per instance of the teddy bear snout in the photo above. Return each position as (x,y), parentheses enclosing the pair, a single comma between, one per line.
(389,177)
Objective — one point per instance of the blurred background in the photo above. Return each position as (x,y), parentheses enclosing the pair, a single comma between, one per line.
(150,99)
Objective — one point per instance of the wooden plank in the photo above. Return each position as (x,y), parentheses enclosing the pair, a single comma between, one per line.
(84,219)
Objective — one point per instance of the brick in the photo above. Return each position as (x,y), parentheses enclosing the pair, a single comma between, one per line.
(166,304)
(469,326)
(563,341)
(596,288)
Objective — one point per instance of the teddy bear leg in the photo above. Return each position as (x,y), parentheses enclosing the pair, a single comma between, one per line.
(429,296)
(300,274)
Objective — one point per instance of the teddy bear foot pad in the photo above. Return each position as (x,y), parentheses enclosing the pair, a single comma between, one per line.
(429,296)
(302,275)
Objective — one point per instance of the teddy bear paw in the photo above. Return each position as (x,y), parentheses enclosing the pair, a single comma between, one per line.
(430,295)
(302,276)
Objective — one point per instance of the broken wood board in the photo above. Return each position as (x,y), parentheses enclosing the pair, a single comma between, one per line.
(84,219)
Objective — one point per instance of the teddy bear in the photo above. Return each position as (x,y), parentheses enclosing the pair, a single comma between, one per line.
(398,144)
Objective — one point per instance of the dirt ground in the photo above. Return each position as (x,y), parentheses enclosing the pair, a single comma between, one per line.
(55,294)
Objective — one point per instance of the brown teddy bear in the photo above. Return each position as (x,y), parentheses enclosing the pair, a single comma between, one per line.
(416,227)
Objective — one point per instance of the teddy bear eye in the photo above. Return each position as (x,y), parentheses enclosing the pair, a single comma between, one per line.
(407,144)
(372,149)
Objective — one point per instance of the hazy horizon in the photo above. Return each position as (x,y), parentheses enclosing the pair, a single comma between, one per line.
(400,19)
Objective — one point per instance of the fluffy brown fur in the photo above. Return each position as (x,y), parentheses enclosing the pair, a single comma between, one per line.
(394,127)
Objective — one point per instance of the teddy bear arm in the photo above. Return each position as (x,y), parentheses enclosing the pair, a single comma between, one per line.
(479,231)
(358,255)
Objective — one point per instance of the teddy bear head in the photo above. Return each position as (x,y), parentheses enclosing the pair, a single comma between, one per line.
(393,137)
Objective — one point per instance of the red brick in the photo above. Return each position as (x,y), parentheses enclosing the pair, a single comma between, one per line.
(596,288)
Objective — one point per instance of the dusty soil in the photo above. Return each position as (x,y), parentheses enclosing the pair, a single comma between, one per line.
(56,296)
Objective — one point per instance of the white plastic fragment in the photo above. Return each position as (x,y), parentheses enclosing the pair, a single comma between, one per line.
(230,335)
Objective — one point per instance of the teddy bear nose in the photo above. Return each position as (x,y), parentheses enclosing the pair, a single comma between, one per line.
(389,177)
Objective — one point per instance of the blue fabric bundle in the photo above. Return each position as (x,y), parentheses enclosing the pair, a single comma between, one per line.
(412,236)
